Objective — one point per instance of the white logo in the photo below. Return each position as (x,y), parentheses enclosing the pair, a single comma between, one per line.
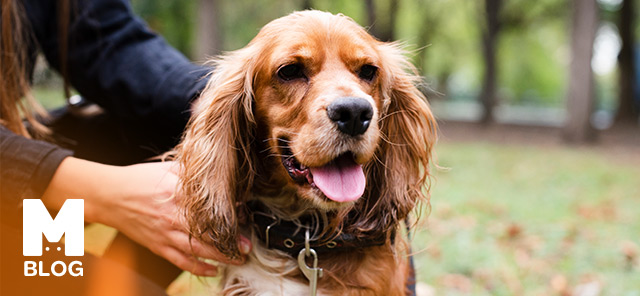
(36,221)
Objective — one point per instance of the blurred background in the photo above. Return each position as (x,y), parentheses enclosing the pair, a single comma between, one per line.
(536,185)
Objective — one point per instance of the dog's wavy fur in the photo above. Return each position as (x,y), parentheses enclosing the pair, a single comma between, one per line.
(230,152)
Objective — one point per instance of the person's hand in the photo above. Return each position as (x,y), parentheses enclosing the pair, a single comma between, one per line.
(138,201)
(144,209)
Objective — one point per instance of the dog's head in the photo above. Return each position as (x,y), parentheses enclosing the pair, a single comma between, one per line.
(313,113)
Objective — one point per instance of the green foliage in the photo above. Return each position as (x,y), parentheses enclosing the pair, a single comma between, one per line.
(447,40)
(444,36)
(242,19)
(533,64)
(534,52)
(50,97)
(353,9)
(174,19)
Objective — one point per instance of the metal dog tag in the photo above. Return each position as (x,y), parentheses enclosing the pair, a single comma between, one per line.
(311,273)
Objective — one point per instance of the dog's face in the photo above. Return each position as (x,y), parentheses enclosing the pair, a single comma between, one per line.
(315,112)
(318,100)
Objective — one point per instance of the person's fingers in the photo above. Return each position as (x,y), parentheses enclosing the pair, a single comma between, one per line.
(189,263)
(180,240)
(245,245)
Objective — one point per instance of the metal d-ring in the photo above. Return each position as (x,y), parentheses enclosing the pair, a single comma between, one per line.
(289,243)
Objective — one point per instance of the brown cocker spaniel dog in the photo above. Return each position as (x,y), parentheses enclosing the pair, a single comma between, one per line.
(313,136)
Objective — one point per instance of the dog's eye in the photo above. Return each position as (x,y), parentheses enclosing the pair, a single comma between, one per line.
(368,72)
(291,72)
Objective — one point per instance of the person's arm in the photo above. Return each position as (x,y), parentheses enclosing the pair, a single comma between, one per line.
(26,167)
(115,60)
(137,200)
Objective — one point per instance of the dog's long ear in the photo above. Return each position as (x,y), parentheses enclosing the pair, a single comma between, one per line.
(215,156)
(408,134)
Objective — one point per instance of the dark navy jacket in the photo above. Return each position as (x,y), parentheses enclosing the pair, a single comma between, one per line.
(114,60)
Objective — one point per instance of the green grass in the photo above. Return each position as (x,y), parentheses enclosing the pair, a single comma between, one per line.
(509,220)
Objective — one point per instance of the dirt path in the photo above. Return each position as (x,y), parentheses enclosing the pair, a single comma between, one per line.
(622,144)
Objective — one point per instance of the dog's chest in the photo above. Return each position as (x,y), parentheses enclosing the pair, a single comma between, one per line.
(253,279)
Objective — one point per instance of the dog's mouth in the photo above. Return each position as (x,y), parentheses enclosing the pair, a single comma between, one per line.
(340,180)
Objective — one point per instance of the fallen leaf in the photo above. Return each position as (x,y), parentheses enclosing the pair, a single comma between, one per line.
(513,231)
(560,284)
(630,251)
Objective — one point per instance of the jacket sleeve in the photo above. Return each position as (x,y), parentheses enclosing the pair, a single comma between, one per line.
(115,60)
(26,167)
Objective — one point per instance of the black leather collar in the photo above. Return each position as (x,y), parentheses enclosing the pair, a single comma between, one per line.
(289,237)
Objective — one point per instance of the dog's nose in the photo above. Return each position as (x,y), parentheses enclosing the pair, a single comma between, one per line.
(353,115)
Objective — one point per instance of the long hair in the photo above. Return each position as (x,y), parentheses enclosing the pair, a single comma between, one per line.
(16,100)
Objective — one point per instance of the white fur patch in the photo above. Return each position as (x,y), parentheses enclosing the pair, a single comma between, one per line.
(264,274)
(253,280)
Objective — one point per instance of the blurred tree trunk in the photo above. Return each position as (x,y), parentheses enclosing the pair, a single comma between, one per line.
(378,28)
(427,29)
(208,31)
(580,98)
(370,8)
(627,111)
(489,51)
(393,14)
(306,5)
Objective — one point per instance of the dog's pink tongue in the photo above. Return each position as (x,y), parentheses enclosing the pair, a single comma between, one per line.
(341,180)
